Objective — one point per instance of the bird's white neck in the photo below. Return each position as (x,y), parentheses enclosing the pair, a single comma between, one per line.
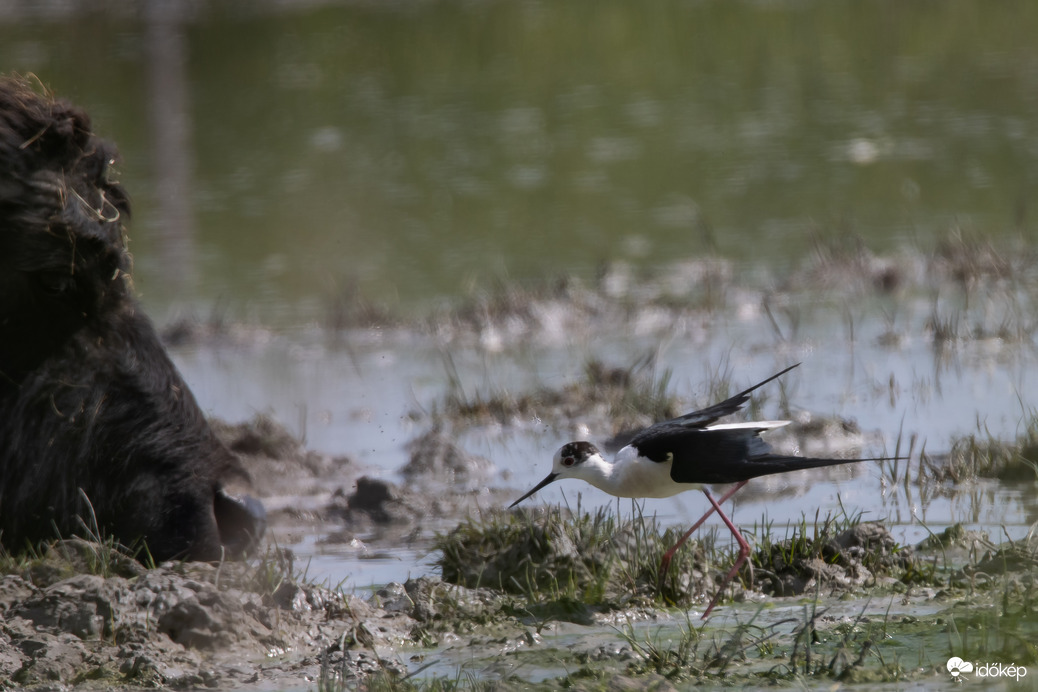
(598,472)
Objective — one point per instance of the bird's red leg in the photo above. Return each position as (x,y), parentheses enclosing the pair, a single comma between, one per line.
(744,550)
(667,556)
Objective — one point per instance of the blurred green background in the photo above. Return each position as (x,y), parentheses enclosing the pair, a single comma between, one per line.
(282,153)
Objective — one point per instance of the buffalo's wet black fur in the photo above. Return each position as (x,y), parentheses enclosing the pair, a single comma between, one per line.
(98,432)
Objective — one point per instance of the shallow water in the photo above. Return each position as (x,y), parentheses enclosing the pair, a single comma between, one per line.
(368,400)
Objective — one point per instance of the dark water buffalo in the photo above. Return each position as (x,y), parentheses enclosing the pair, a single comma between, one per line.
(97,428)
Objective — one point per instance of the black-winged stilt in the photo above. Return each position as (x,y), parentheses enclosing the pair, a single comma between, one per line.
(685,453)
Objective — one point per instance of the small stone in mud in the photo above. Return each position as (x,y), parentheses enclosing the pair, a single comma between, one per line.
(393,598)
(297,597)
(435,601)
(343,538)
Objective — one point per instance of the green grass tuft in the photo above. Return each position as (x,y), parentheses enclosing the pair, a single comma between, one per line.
(569,564)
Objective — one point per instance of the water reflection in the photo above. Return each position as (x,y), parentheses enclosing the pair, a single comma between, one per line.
(410,148)
(170,110)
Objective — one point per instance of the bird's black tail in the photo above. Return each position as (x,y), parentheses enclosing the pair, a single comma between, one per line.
(767,464)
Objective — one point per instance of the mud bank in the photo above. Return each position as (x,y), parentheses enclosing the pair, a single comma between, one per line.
(525,599)
(191,625)
(550,601)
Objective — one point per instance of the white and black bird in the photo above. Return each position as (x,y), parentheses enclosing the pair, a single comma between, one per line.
(685,453)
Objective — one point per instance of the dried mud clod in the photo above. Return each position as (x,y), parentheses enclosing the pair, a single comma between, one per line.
(175,625)
(437,605)
(955,537)
(1012,557)
(387,508)
(158,624)
(1013,560)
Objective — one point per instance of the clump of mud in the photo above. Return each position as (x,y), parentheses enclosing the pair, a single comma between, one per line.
(378,502)
(858,556)
(88,615)
(276,459)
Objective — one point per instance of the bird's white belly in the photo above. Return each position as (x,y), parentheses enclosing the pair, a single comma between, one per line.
(640,477)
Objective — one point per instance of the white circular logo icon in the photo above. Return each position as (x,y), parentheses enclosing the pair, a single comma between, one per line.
(956,666)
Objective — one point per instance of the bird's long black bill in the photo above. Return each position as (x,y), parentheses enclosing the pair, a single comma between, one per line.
(551,477)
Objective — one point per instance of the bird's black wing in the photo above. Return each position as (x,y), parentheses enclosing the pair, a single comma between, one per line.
(727,455)
(706,416)
(696,419)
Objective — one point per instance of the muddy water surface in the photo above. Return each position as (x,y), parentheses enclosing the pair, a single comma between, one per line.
(366,393)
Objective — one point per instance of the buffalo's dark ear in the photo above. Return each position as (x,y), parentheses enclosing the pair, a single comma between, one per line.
(241,520)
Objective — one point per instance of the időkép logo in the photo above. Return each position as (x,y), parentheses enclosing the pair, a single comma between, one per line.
(959,668)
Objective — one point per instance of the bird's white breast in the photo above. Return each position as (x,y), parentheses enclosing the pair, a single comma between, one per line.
(637,476)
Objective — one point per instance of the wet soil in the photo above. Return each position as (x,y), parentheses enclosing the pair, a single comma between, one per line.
(852,613)
(549,597)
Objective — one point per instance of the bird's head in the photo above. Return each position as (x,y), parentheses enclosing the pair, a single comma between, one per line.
(571,461)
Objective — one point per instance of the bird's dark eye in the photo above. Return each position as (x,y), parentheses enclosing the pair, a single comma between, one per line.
(568,461)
